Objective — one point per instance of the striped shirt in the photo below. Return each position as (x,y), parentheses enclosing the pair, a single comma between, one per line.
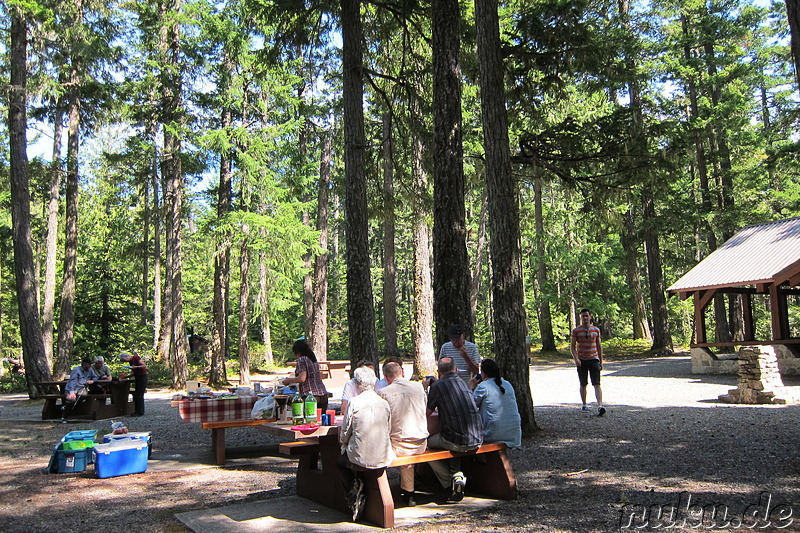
(458,415)
(586,340)
(448,350)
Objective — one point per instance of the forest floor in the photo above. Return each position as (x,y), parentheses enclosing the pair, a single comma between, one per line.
(665,443)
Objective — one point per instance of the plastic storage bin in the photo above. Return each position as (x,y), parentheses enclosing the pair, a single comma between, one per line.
(66,461)
(120,458)
(87,434)
(141,435)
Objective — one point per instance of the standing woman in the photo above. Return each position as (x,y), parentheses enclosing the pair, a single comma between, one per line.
(497,404)
(307,375)
(139,370)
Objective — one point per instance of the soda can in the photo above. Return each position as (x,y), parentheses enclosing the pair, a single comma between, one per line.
(326,420)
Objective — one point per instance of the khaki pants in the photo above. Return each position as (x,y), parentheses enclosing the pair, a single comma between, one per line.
(405,448)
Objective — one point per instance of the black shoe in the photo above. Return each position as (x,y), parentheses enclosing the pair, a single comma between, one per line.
(408,498)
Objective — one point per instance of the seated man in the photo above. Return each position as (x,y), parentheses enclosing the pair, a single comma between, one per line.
(409,423)
(364,437)
(79,378)
(350,389)
(101,373)
(460,422)
(381,383)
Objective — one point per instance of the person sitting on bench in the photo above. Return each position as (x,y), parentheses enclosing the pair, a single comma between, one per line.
(460,422)
(364,437)
(79,378)
(101,373)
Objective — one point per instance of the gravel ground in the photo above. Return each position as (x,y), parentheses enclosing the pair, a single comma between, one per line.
(665,441)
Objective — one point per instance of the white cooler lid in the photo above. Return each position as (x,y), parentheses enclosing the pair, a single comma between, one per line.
(115,445)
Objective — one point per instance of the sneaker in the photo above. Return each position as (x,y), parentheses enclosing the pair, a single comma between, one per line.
(601,411)
(585,408)
(355,498)
(459,481)
(63,420)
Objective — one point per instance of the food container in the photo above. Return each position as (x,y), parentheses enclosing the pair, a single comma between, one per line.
(120,458)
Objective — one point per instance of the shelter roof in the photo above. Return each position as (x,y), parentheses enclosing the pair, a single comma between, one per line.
(766,253)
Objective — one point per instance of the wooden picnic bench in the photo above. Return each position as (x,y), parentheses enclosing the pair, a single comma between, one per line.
(218,433)
(488,471)
(112,403)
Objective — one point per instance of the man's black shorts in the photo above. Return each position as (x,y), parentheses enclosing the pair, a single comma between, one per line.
(589,367)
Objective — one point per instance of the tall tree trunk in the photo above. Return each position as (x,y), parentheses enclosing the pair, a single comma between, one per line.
(263,299)
(319,330)
(389,260)
(793,14)
(508,297)
(629,241)
(220,340)
(545,318)
(422,310)
(173,175)
(157,214)
(66,320)
(451,281)
(33,354)
(475,282)
(51,239)
(244,311)
(662,338)
(360,303)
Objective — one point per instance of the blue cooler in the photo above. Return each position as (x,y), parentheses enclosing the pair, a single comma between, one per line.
(120,458)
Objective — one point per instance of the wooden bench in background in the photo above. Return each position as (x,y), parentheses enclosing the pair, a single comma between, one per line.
(91,405)
(218,433)
(488,471)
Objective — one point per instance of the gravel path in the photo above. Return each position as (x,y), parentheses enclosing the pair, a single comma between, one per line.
(665,434)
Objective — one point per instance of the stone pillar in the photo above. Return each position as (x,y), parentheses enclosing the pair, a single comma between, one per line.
(759,378)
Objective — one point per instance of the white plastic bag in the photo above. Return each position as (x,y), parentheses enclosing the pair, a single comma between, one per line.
(263,407)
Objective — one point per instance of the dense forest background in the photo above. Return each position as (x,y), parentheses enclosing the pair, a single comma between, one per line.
(188,169)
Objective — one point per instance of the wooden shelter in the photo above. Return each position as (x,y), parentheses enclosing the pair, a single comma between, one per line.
(758,259)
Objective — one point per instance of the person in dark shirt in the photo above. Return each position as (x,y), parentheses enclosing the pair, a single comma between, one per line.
(139,370)
(460,423)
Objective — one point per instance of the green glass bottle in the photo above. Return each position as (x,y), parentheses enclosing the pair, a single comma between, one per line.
(310,409)
(297,408)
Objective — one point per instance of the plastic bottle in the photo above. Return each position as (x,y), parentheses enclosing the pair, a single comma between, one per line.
(297,408)
(310,409)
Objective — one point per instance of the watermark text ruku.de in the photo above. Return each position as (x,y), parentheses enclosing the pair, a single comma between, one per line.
(687,512)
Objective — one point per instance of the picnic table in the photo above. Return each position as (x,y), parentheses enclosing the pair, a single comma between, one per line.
(490,475)
(113,402)
(215,409)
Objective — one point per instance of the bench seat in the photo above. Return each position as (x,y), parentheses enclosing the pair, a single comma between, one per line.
(490,475)
(218,433)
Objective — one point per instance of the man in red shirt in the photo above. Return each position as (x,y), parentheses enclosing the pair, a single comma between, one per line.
(588,355)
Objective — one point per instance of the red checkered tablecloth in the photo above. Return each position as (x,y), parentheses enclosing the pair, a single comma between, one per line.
(214,410)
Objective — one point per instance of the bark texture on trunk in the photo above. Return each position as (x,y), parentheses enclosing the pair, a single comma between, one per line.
(451,277)
(507,291)
(360,303)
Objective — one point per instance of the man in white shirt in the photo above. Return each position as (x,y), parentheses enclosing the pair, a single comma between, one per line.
(409,435)
(350,389)
(464,353)
(364,436)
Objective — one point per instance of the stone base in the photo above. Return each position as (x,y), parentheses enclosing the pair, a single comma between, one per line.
(704,362)
(749,396)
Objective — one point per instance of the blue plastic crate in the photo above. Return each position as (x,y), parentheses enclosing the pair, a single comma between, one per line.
(67,461)
(120,458)
(86,434)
